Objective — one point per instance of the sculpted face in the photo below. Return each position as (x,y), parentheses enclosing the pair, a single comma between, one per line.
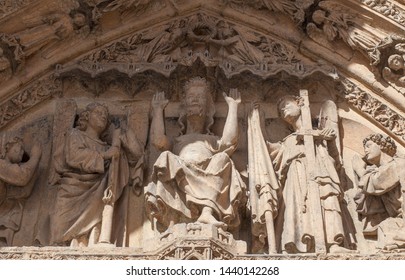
(396,62)
(289,110)
(196,101)
(98,118)
(15,153)
(372,151)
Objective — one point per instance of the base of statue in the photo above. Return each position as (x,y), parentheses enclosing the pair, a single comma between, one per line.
(195,241)
(391,234)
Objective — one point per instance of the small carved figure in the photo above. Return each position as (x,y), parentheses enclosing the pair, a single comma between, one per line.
(338,22)
(395,72)
(234,45)
(298,221)
(92,178)
(380,179)
(15,174)
(194,179)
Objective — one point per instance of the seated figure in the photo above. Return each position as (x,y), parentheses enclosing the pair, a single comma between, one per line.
(194,179)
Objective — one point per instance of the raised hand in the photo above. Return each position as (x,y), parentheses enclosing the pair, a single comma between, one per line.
(233,97)
(159,101)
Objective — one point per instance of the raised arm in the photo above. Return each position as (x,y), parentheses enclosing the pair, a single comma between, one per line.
(157,133)
(230,134)
(21,174)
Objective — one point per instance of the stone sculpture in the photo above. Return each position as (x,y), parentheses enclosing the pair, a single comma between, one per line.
(92,178)
(306,210)
(194,178)
(15,174)
(381,180)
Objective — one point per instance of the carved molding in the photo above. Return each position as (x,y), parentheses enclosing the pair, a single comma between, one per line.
(373,108)
(9,6)
(195,39)
(388,9)
(28,98)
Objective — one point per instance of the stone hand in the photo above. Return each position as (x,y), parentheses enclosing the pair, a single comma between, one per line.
(111,152)
(233,97)
(359,165)
(328,134)
(159,101)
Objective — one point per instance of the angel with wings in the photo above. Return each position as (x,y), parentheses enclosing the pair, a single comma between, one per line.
(299,216)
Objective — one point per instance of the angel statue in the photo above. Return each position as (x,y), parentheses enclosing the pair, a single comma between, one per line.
(306,164)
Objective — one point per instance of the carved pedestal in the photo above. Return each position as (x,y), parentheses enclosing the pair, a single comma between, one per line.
(195,241)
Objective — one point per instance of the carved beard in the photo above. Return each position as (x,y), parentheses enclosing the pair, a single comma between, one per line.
(195,110)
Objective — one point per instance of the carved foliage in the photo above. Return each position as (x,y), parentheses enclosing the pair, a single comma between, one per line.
(199,38)
(387,8)
(29,97)
(294,9)
(9,6)
(375,109)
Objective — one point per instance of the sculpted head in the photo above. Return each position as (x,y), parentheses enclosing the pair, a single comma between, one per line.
(95,116)
(319,16)
(375,144)
(396,62)
(14,150)
(289,108)
(197,103)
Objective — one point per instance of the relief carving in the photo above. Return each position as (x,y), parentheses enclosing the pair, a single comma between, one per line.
(29,97)
(380,198)
(335,21)
(93,177)
(306,165)
(16,183)
(387,8)
(9,6)
(194,178)
(378,111)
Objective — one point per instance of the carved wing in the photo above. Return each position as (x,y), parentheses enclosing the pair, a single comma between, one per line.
(63,123)
(328,118)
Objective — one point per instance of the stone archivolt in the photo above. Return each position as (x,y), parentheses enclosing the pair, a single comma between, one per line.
(145,101)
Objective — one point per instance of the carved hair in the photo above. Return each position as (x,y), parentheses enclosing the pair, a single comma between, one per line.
(210,106)
(387,145)
(9,144)
(84,116)
(391,59)
(297,99)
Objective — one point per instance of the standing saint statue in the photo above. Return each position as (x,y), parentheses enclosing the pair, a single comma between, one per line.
(93,175)
(194,179)
(306,218)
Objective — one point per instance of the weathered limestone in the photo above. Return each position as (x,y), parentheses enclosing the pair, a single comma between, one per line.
(202,129)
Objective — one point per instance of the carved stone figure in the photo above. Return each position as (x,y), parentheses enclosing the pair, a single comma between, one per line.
(297,222)
(338,22)
(93,176)
(380,180)
(194,178)
(395,71)
(235,46)
(14,175)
